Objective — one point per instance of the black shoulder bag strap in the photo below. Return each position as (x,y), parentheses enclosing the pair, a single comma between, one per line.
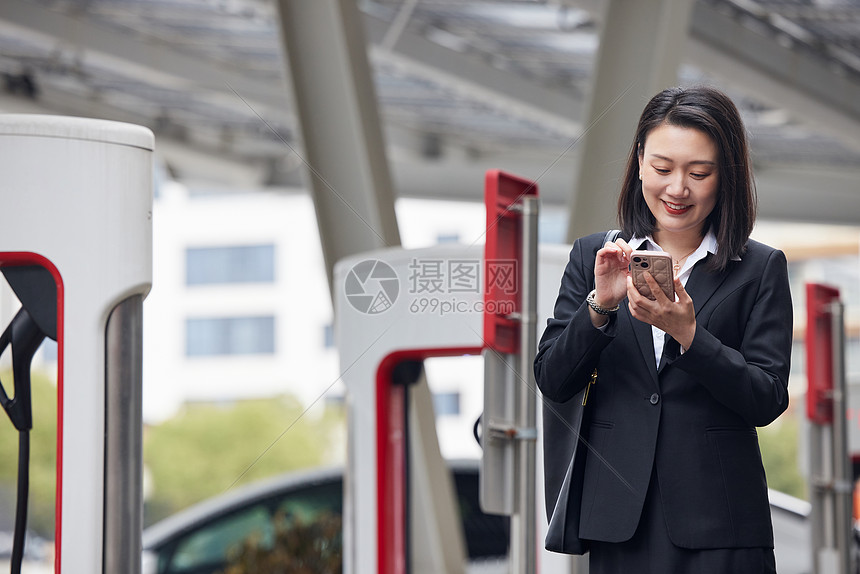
(610,237)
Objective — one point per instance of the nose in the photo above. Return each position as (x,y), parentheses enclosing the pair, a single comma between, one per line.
(677,186)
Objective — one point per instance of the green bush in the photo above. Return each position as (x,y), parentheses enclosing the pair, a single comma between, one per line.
(779,450)
(208,448)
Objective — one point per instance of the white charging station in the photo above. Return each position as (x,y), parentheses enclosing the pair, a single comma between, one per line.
(76,199)
(384,330)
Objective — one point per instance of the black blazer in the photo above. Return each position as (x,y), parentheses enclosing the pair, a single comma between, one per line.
(693,419)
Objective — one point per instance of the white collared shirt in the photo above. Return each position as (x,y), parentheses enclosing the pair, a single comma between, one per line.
(708,245)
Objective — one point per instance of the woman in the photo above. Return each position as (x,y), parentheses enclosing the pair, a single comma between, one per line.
(671,479)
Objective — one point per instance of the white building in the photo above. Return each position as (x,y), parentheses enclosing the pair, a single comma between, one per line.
(240,306)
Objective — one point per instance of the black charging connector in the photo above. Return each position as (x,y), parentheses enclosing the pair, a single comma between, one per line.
(36,320)
(25,336)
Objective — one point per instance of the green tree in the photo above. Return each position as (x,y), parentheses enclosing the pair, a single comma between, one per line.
(208,448)
(779,450)
(43,455)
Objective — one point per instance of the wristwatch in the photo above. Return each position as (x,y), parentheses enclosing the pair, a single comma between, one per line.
(597,308)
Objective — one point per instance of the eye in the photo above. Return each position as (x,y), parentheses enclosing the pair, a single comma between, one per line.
(661,170)
(699,175)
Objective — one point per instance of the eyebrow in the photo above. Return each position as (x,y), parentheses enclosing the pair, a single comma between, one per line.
(697,161)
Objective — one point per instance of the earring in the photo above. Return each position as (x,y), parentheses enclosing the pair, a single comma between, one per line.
(640,175)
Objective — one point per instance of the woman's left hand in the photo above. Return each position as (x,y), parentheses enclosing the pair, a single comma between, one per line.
(678,318)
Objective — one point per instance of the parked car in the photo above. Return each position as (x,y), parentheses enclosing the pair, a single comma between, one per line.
(198,540)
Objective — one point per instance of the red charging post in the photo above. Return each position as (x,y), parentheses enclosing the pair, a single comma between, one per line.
(819,352)
(503,257)
(509,426)
(830,473)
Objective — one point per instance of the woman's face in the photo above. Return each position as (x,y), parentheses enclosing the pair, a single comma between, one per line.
(680,178)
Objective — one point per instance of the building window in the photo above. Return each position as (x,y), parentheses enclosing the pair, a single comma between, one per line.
(328,336)
(446,404)
(232,264)
(206,337)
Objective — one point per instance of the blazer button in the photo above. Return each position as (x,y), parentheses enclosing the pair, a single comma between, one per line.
(655,398)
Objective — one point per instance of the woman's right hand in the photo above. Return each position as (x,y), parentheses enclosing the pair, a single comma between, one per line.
(611,268)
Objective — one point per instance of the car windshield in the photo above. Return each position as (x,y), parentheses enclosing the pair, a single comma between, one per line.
(208,547)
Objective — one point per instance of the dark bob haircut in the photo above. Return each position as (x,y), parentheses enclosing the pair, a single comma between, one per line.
(713,113)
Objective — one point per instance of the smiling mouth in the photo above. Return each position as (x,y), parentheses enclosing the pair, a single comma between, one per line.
(676,207)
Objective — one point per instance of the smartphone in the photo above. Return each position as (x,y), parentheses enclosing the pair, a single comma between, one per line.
(659,264)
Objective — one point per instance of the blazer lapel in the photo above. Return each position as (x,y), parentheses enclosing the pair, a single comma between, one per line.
(701,286)
(644,338)
(703,283)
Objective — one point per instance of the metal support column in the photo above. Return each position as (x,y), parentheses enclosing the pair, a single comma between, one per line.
(123,496)
(640,49)
(335,102)
(821,511)
(523,522)
(842,483)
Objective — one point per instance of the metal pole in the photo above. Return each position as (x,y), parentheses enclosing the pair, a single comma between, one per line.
(829,479)
(842,475)
(818,493)
(123,447)
(524,536)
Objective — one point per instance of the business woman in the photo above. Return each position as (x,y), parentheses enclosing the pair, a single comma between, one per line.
(672,478)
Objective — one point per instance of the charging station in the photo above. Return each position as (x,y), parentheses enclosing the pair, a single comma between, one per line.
(394,308)
(76,240)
